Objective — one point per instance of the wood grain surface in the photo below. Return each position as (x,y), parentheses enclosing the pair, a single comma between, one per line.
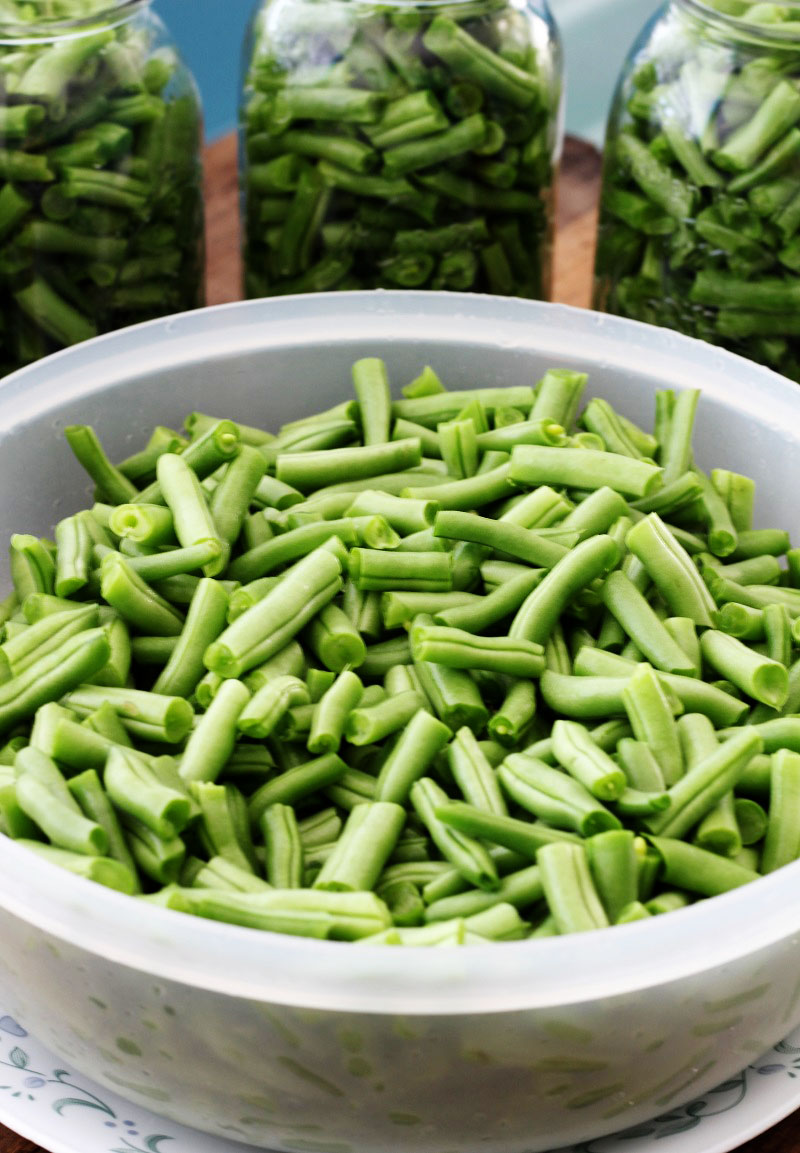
(574,251)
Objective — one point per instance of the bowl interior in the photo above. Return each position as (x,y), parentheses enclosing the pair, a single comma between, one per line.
(265,362)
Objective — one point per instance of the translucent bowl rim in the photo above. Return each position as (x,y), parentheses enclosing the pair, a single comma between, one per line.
(278,969)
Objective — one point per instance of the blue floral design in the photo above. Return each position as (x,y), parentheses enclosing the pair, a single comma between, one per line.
(18,1060)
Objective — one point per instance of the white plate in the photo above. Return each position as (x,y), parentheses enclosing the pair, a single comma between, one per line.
(65,1112)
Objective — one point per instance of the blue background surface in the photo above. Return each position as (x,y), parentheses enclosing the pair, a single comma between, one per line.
(209,33)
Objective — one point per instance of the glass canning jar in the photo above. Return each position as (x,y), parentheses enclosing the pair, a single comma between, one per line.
(699,225)
(101,221)
(400,144)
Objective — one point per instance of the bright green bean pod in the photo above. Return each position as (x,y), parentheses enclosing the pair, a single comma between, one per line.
(584,469)
(297,783)
(205,620)
(689,867)
(760,677)
(135,601)
(262,713)
(342,916)
(514,714)
(85,444)
(706,783)
(365,844)
(103,870)
(418,745)
(366,725)
(136,789)
(571,897)
(331,713)
(586,761)
(335,640)
(542,609)
(518,542)
(212,740)
(631,609)
(553,797)
(283,846)
(468,855)
(474,775)
(374,399)
(149,524)
(88,791)
(42,794)
(52,675)
(782,841)
(671,570)
(652,720)
(271,623)
(456,648)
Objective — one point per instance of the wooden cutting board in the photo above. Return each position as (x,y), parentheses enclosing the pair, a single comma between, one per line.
(574,253)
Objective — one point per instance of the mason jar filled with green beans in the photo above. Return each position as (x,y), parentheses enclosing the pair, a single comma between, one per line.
(400,144)
(101,218)
(699,224)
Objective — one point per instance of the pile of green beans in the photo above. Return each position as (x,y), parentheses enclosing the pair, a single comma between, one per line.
(101,220)
(469,693)
(399,147)
(700,219)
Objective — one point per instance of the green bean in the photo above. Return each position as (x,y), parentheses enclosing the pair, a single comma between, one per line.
(154,716)
(335,640)
(629,607)
(366,725)
(571,897)
(586,762)
(135,601)
(272,622)
(518,542)
(204,622)
(294,784)
(585,469)
(782,841)
(283,847)
(43,795)
(148,524)
(514,714)
(456,648)
(760,677)
(453,694)
(307,471)
(136,789)
(104,870)
(474,775)
(553,797)
(344,916)
(671,570)
(377,570)
(689,867)
(261,714)
(332,712)
(652,721)
(467,854)
(538,614)
(86,446)
(718,831)
(88,791)
(703,786)
(365,844)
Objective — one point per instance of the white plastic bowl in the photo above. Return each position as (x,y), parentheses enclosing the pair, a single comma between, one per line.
(292,1044)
